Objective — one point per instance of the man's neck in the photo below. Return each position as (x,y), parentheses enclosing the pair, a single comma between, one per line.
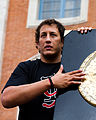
(51,60)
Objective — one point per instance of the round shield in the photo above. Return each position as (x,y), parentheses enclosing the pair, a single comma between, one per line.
(87,88)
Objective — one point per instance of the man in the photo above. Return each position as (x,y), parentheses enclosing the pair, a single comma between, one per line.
(34,85)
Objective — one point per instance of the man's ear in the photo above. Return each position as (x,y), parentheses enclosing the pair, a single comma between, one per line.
(37,46)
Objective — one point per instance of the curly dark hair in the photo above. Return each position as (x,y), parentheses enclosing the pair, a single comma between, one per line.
(50,22)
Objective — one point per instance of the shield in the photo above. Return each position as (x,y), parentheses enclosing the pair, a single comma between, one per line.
(71,105)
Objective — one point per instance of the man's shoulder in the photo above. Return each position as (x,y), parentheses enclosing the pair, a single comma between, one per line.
(29,62)
(27,65)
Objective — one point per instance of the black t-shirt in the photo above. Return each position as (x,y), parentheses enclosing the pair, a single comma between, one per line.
(42,107)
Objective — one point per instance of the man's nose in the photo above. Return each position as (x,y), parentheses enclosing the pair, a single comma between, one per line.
(48,38)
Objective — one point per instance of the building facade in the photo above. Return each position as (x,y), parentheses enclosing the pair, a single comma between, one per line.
(18,21)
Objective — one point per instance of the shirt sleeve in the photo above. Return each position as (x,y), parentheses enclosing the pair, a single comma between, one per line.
(19,75)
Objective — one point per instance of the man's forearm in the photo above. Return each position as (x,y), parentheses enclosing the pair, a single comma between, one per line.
(16,95)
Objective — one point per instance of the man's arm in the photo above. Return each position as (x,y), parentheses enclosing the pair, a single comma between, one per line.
(16,95)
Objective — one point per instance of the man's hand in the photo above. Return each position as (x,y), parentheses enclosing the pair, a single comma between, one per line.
(63,80)
(84,29)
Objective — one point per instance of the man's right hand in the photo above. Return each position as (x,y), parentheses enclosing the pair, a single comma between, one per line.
(63,80)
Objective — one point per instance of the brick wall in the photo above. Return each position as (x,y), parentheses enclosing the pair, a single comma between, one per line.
(20,45)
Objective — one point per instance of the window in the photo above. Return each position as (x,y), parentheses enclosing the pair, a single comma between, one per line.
(49,9)
(68,12)
(59,8)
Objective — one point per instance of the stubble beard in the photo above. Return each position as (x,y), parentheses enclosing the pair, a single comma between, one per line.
(51,57)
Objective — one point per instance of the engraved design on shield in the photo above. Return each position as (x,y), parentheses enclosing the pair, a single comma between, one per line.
(87,88)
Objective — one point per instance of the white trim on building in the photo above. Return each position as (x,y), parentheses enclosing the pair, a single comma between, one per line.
(32,20)
(3,19)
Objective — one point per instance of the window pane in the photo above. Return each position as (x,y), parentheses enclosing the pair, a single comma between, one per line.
(59,8)
(71,13)
(69,4)
(50,9)
(72,8)
(50,15)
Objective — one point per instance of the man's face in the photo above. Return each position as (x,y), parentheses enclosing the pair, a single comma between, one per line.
(49,41)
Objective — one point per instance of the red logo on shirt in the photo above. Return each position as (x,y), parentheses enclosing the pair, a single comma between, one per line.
(50,96)
(49,102)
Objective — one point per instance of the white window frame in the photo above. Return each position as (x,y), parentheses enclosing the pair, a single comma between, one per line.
(32,20)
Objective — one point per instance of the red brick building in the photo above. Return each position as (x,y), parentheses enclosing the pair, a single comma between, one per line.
(18,42)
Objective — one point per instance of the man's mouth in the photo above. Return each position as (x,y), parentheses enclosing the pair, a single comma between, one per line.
(48,47)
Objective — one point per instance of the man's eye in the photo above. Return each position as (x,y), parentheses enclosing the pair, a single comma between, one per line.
(43,35)
(53,35)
